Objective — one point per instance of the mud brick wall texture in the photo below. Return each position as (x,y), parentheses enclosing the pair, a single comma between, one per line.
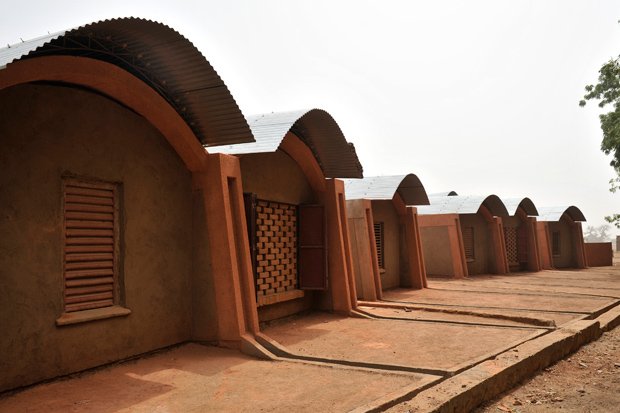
(276,247)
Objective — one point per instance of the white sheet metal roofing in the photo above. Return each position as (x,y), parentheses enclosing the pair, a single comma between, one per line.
(448,193)
(315,127)
(159,56)
(408,186)
(459,204)
(512,204)
(555,213)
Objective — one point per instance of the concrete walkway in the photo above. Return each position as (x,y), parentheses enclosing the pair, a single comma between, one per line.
(445,348)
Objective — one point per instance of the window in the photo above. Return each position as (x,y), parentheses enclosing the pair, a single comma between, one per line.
(468,243)
(380,244)
(90,244)
(555,243)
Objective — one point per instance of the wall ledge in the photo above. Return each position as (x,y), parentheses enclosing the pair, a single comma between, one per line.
(92,315)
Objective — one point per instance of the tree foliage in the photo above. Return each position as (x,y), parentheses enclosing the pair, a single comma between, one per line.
(597,234)
(607,92)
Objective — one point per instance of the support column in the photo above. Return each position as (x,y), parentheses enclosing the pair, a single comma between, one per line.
(415,257)
(340,266)
(499,246)
(364,257)
(457,248)
(533,260)
(580,249)
(233,281)
(544,245)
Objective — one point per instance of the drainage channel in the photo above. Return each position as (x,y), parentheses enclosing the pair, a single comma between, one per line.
(467,323)
(487,307)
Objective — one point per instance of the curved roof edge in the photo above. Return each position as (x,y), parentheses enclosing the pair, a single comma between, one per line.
(555,213)
(459,204)
(409,187)
(159,56)
(512,204)
(315,127)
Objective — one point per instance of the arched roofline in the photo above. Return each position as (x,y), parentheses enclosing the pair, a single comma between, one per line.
(526,204)
(316,128)
(385,187)
(553,214)
(495,206)
(119,85)
(461,204)
(162,59)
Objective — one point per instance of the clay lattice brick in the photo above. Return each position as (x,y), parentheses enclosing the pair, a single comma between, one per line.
(276,245)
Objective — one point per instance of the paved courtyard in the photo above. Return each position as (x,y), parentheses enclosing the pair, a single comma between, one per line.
(414,342)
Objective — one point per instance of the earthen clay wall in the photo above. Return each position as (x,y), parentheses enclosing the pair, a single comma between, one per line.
(599,254)
(437,252)
(49,131)
(275,177)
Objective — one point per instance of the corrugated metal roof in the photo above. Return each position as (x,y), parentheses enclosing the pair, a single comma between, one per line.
(315,127)
(448,193)
(555,213)
(161,57)
(525,203)
(385,187)
(464,205)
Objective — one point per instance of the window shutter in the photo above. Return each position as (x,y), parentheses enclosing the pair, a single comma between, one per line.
(90,245)
(380,244)
(468,243)
(312,248)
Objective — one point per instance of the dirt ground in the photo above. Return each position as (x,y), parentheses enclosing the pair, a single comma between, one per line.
(586,381)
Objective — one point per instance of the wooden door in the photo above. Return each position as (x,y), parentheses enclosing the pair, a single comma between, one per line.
(312,264)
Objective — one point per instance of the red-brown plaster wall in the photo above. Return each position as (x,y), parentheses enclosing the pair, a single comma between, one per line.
(47,131)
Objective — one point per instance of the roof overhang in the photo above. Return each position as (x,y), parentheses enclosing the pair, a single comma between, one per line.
(409,187)
(526,204)
(315,127)
(459,204)
(552,214)
(159,56)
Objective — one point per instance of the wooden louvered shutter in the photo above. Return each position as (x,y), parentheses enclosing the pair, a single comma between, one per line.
(90,247)
(468,243)
(380,244)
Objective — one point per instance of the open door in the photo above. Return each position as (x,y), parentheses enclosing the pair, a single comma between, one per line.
(312,258)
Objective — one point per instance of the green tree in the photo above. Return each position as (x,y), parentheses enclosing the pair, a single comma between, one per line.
(607,92)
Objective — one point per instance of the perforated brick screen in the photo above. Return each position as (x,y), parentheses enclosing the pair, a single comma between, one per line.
(510,235)
(276,247)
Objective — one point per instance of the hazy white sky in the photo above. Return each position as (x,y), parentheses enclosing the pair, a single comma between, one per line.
(474,96)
